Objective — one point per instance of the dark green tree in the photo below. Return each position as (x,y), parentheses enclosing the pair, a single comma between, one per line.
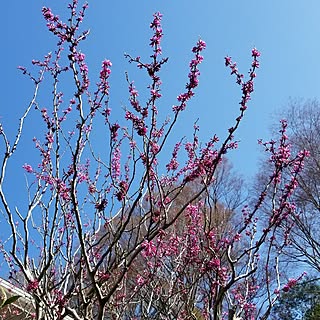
(313,313)
(301,302)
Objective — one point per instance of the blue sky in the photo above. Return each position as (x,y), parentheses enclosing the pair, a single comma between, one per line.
(286,32)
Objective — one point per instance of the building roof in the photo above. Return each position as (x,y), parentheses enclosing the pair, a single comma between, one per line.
(21,309)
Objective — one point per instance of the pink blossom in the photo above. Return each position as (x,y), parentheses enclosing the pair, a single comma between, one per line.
(123,189)
(32,285)
(155,40)
(255,53)
(100,206)
(291,283)
(227,61)
(150,249)
(115,164)
(27,167)
(48,15)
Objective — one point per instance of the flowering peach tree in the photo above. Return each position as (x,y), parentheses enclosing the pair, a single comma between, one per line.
(105,234)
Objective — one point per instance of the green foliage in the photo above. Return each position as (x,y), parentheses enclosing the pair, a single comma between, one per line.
(313,313)
(302,302)
(6,301)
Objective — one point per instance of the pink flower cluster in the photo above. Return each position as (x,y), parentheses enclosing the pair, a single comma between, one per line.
(114,131)
(138,123)
(116,164)
(201,166)
(139,120)
(105,72)
(27,167)
(123,189)
(193,77)
(79,58)
(149,249)
(157,36)
(193,229)
(174,164)
(247,87)
(62,30)
(133,98)
(32,285)
(289,285)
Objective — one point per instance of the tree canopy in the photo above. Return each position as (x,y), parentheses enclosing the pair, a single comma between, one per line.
(140,228)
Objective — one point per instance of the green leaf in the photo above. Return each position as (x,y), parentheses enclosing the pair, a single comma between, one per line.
(10,300)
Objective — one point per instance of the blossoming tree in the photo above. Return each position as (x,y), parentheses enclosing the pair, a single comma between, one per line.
(102,236)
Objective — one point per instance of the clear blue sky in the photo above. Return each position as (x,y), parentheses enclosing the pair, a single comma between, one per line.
(286,32)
